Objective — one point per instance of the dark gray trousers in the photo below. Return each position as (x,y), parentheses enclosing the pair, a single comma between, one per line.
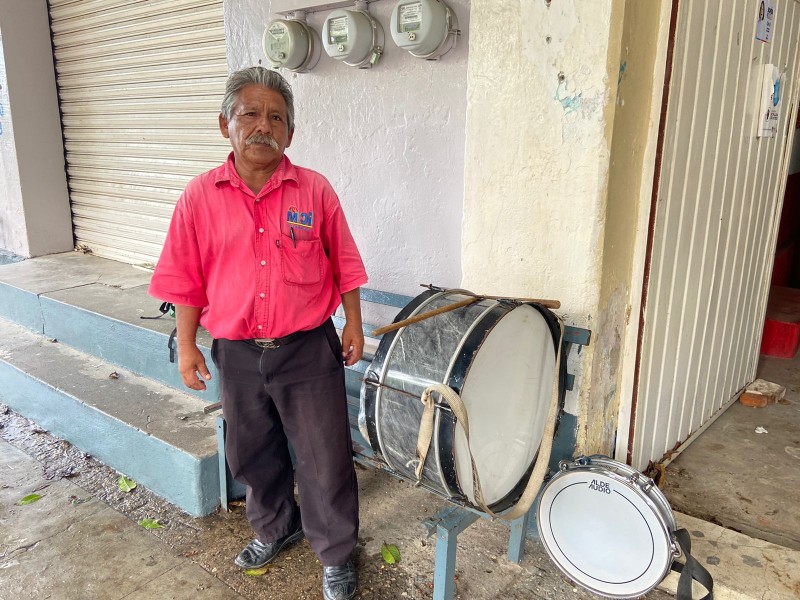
(295,393)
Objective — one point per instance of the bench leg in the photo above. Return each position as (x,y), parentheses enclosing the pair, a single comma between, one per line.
(448,522)
(516,538)
(223,465)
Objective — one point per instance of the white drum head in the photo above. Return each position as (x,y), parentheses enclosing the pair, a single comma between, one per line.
(604,532)
(507,395)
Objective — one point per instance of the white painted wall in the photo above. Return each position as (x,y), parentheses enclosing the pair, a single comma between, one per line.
(34,210)
(537,154)
(390,139)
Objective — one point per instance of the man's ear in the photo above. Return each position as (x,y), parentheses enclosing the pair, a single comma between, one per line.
(223,126)
(291,135)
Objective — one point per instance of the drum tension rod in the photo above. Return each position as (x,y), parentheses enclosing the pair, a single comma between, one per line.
(439,404)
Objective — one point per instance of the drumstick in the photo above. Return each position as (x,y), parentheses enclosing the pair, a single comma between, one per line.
(423,316)
(540,301)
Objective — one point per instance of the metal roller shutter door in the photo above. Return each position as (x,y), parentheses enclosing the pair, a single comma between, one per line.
(140,84)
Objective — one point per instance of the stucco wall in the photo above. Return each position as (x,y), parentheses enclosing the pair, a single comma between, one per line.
(537,155)
(44,224)
(390,139)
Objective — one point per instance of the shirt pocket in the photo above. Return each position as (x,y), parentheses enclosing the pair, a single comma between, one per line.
(301,261)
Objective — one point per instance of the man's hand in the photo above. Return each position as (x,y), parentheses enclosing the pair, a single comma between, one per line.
(191,362)
(352,343)
(352,333)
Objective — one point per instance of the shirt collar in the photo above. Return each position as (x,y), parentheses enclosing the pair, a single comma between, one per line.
(227,172)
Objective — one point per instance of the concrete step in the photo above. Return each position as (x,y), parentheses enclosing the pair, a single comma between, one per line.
(95,305)
(158,436)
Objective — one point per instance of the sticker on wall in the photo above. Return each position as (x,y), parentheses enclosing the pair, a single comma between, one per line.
(766,20)
(770,102)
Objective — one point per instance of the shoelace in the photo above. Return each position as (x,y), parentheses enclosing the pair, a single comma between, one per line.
(340,578)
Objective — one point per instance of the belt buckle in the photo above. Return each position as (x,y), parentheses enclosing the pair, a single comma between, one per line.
(270,344)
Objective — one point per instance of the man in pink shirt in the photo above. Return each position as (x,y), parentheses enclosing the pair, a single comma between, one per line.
(259,253)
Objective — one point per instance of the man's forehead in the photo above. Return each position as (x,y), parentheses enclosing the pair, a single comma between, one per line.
(258,94)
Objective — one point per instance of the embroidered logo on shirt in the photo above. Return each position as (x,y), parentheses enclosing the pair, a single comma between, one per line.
(303,219)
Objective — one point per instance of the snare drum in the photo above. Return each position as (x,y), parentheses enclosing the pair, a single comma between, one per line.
(607,527)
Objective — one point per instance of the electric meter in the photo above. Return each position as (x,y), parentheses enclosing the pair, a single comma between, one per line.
(353,37)
(426,28)
(291,44)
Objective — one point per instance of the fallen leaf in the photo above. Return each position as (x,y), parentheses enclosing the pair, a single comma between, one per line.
(114,375)
(151,524)
(390,553)
(29,499)
(256,572)
(125,484)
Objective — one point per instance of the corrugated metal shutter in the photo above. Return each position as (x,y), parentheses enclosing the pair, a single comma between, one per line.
(140,84)
(719,199)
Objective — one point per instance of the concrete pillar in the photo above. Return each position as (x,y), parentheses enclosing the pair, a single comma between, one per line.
(35,216)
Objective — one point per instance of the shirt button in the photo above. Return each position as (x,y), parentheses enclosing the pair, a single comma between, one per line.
(259,327)
(261,295)
(260,230)
(263,262)
(258,199)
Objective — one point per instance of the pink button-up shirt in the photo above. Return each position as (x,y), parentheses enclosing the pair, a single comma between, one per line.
(260,266)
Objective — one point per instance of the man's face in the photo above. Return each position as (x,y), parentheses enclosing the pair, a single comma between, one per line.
(258,128)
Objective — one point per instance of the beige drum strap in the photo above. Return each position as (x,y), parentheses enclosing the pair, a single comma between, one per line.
(531,490)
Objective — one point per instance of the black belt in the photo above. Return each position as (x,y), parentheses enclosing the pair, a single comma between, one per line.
(272,343)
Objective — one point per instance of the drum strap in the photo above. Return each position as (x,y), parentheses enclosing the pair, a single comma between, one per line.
(531,490)
(691,570)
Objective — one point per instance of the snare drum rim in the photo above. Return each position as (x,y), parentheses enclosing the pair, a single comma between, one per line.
(459,374)
(654,493)
(597,469)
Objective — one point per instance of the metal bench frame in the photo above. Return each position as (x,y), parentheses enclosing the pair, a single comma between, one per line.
(449,521)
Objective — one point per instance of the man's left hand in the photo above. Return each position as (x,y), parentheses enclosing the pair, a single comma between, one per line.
(352,344)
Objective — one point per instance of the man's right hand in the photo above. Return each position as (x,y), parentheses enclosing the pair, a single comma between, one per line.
(192,366)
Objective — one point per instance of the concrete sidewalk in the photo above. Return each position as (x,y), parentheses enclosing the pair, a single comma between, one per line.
(81,541)
(69,545)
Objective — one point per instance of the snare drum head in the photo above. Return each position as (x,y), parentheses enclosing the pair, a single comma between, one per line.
(604,532)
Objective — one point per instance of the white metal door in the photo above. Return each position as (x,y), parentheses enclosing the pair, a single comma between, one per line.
(719,198)
(140,84)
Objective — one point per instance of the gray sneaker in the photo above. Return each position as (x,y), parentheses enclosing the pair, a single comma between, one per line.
(339,583)
(257,554)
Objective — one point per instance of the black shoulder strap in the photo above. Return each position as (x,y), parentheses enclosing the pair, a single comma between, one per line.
(691,570)
(163,309)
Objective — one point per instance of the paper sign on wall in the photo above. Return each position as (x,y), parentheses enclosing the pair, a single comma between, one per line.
(770,101)
(766,20)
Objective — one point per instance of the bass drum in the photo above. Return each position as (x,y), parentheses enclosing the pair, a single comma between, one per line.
(607,527)
(500,357)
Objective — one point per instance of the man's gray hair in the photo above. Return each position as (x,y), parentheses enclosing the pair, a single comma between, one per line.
(259,76)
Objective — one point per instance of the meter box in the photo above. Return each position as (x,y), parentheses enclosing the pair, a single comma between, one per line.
(425,28)
(353,37)
(292,45)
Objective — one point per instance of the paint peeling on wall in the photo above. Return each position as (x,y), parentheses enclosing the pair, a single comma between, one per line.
(569,103)
(622,68)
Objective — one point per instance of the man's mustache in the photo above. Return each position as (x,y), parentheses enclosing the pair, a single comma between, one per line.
(262,138)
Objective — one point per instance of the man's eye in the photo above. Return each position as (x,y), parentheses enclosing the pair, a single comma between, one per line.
(277,118)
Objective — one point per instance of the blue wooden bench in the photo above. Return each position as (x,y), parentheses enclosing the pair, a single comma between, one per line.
(448,522)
